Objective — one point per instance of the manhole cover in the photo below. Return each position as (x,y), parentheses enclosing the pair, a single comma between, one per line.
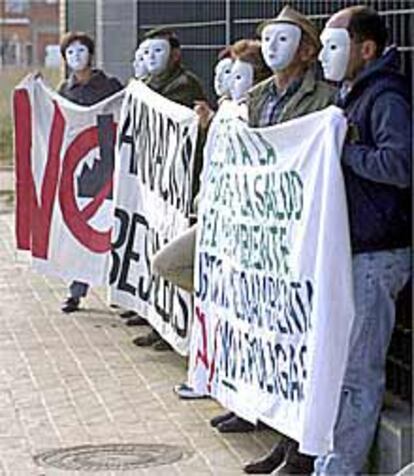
(110,457)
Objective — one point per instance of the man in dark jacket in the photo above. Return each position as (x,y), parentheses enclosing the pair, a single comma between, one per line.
(293,91)
(168,77)
(376,164)
(85,86)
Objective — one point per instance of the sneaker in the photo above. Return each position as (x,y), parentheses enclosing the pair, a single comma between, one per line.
(185,392)
(214,422)
(296,463)
(235,425)
(272,460)
(127,314)
(148,340)
(161,345)
(71,304)
(136,321)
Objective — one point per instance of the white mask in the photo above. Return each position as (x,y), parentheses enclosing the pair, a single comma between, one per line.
(140,69)
(280,42)
(77,56)
(241,79)
(334,56)
(222,74)
(156,55)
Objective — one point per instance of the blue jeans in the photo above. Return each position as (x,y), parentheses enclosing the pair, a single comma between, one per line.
(77,289)
(378,278)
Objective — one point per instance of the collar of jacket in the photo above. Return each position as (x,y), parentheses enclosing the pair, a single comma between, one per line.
(96,77)
(257,96)
(159,82)
(387,65)
(308,86)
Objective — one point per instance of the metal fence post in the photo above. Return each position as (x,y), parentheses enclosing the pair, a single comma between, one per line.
(229,20)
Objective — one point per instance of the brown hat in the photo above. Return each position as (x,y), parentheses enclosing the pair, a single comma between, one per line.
(165,33)
(289,15)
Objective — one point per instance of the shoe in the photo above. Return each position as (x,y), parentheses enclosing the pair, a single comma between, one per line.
(220,418)
(136,321)
(296,463)
(71,304)
(272,460)
(147,340)
(127,314)
(235,425)
(161,345)
(185,392)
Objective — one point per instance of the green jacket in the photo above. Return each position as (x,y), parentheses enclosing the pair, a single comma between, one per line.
(312,96)
(182,86)
(178,85)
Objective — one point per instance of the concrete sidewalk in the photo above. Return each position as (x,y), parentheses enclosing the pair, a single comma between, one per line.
(78,381)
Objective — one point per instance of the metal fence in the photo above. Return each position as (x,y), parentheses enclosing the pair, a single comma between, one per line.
(205,27)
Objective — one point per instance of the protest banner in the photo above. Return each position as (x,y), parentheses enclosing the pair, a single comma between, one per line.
(153,176)
(64,168)
(273,299)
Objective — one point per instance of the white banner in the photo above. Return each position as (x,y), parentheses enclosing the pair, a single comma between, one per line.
(64,168)
(155,152)
(273,301)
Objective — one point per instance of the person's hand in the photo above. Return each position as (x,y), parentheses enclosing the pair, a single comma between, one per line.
(204,113)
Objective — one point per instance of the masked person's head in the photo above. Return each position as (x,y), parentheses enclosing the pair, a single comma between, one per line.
(289,41)
(162,51)
(222,73)
(352,38)
(248,68)
(140,68)
(77,50)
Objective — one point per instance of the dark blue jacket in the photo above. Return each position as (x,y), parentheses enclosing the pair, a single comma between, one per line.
(377,157)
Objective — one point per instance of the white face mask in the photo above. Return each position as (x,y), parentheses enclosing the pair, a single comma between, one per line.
(77,56)
(334,56)
(156,55)
(222,74)
(280,42)
(140,69)
(241,79)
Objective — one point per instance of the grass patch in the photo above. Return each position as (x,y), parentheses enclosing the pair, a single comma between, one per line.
(9,78)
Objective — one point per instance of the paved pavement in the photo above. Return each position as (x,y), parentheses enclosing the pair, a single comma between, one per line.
(6,178)
(78,380)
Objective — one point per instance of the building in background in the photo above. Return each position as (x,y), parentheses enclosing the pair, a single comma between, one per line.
(27,30)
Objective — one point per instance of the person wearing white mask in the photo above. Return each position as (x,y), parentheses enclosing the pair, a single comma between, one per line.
(290,46)
(235,74)
(222,73)
(241,80)
(139,65)
(240,64)
(167,76)
(377,167)
(248,68)
(84,86)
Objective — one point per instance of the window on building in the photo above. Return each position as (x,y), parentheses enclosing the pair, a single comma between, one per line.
(16,6)
(29,54)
